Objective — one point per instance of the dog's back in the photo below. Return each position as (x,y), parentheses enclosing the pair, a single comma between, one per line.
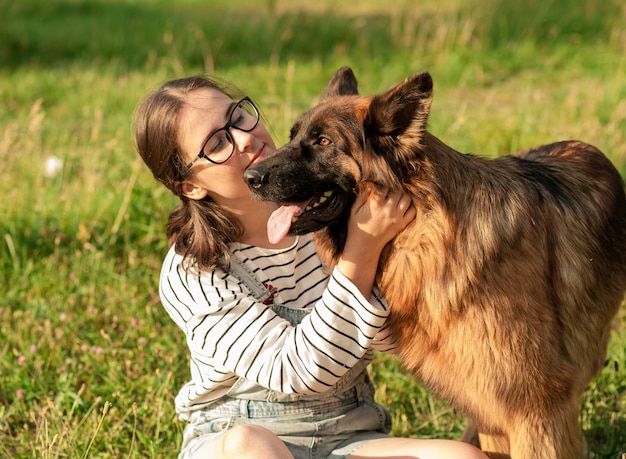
(588,236)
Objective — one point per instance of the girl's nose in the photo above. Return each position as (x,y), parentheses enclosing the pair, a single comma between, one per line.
(243,140)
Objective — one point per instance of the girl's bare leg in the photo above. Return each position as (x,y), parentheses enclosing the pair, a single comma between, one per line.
(411,448)
(249,441)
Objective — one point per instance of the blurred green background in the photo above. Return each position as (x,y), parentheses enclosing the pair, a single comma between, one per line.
(89,362)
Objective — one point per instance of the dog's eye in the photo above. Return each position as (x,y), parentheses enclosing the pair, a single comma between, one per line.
(324,141)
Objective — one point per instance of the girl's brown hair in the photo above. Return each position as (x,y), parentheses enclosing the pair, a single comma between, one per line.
(200,229)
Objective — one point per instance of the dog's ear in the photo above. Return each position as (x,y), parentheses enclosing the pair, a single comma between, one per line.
(342,83)
(404,106)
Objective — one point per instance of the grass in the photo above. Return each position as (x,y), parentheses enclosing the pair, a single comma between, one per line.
(89,362)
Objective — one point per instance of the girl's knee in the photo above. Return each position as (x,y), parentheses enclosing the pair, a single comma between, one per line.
(253,441)
(471,452)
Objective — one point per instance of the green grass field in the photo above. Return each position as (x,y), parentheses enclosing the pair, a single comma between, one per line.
(89,362)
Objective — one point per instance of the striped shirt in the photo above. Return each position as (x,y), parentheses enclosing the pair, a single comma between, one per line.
(231,335)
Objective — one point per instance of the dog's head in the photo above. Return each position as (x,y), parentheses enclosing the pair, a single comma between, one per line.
(344,141)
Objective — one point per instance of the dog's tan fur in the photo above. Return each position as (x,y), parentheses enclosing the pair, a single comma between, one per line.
(503,290)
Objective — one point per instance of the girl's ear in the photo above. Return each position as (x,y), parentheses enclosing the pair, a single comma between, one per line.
(192,191)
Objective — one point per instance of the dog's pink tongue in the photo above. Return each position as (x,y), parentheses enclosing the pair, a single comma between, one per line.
(280,221)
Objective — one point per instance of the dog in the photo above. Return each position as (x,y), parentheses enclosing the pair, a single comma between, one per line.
(503,289)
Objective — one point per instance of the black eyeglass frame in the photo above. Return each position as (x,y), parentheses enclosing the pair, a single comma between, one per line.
(230,124)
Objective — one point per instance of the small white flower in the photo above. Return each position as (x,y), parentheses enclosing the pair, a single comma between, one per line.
(52,166)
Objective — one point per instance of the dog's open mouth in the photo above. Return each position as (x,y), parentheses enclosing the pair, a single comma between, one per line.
(304,217)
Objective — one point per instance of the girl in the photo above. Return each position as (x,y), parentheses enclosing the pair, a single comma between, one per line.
(278,345)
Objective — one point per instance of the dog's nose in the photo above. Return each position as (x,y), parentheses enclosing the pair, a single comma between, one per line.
(254,178)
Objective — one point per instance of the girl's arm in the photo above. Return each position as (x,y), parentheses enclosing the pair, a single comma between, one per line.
(229,333)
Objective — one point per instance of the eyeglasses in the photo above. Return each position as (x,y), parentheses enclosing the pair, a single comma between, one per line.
(219,146)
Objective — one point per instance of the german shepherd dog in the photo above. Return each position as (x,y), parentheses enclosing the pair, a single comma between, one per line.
(503,289)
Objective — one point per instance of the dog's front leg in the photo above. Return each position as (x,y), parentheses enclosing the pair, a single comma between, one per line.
(494,446)
(470,435)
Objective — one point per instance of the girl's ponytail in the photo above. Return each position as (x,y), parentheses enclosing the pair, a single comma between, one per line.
(202,231)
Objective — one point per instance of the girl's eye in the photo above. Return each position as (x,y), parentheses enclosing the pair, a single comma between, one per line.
(216,143)
(237,118)
(324,141)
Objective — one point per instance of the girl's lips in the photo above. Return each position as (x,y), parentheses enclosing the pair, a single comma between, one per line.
(260,154)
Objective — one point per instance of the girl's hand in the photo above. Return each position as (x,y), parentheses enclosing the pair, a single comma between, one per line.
(376,217)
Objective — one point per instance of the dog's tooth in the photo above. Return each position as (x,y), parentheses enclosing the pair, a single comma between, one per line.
(317,204)
(307,208)
(294,219)
(322,199)
(328,194)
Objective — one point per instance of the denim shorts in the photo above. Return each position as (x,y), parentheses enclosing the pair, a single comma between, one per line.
(331,425)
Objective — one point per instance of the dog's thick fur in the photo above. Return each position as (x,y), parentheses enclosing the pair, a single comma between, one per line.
(503,290)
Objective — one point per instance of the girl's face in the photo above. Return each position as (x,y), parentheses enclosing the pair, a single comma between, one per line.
(206,111)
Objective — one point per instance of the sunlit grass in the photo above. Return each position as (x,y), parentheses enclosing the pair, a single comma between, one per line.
(89,362)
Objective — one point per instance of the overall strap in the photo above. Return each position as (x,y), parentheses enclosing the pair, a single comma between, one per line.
(258,290)
(248,390)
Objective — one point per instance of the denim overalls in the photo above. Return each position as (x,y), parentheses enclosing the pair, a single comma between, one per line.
(332,424)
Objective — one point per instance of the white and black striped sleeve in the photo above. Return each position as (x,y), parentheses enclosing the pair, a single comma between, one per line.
(229,330)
